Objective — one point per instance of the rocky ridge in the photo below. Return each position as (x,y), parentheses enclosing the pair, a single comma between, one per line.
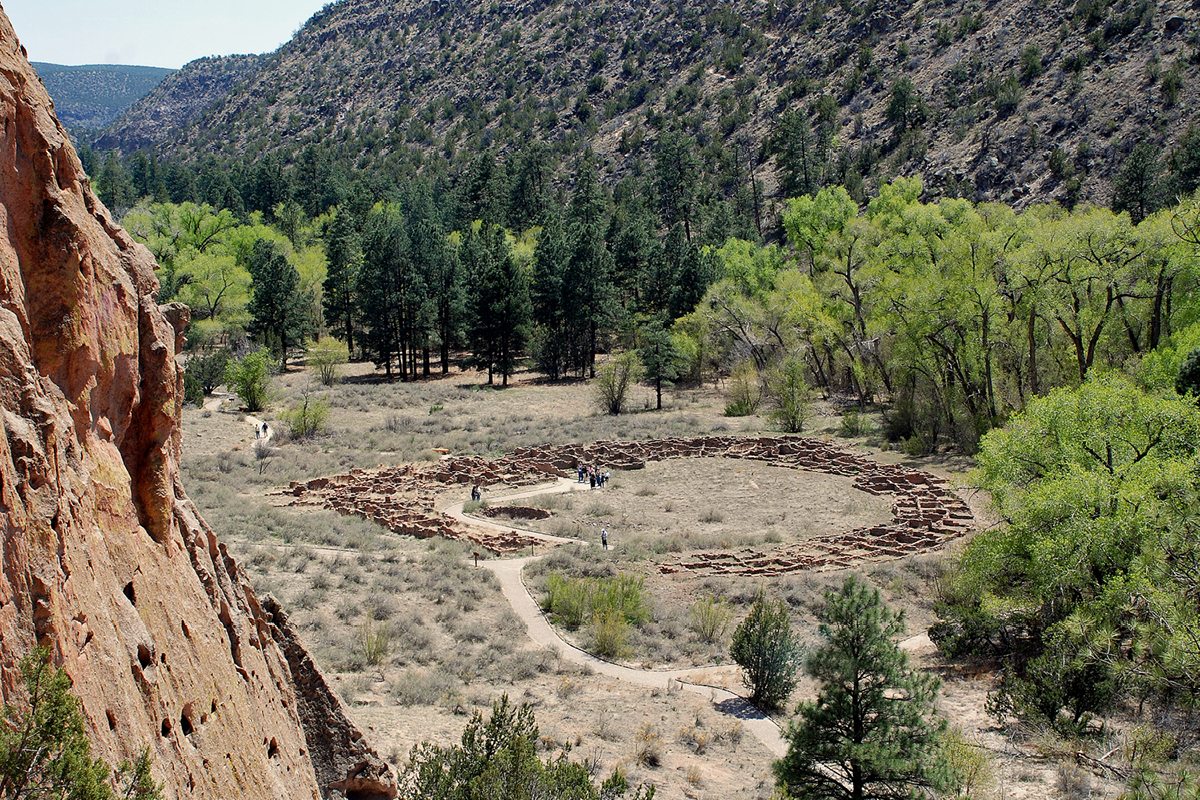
(104,560)
(1016,100)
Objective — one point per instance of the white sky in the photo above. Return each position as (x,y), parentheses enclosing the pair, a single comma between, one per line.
(156,33)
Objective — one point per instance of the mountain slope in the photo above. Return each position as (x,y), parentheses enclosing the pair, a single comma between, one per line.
(91,97)
(1008,99)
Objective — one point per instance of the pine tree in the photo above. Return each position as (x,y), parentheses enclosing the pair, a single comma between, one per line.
(659,357)
(550,261)
(587,285)
(279,309)
(1136,188)
(872,733)
(677,173)
(801,162)
(344,257)
(499,302)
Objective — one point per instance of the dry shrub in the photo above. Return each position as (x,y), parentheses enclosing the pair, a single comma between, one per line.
(647,746)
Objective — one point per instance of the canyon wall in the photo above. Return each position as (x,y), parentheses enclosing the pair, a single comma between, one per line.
(103,559)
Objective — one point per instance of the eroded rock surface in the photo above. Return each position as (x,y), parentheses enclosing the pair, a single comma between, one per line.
(104,560)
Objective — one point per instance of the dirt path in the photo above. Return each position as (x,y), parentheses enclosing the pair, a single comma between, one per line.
(696,680)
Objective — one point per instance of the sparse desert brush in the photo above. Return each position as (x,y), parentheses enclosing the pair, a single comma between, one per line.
(647,746)
(710,618)
(376,642)
(711,516)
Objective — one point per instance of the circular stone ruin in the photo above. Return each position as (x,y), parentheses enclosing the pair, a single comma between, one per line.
(926,514)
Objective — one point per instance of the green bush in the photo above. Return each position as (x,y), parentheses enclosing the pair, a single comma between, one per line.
(610,633)
(766,649)
(613,380)
(44,750)
(852,424)
(573,601)
(250,379)
(744,394)
(203,374)
(790,395)
(308,419)
(327,357)
(710,618)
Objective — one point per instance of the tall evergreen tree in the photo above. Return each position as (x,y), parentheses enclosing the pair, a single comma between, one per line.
(1137,188)
(872,733)
(677,173)
(381,285)
(588,284)
(552,338)
(279,308)
(530,179)
(344,258)
(800,159)
(500,302)
(659,357)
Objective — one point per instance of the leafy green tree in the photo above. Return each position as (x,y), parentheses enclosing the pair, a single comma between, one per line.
(660,360)
(279,308)
(497,759)
(766,649)
(250,379)
(44,750)
(344,258)
(1188,381)
(787,388)
(1095,487)
(872,732)
(499,298)
(613,380)
(208,370)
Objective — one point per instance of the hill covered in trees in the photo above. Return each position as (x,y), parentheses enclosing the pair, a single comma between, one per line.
(1015,100)
(91,97)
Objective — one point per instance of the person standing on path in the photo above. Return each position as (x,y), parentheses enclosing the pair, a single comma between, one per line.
(604,538)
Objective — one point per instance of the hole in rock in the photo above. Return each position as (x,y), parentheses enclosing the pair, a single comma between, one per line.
(112,719)
(185,720)
(273,749)
(166,727)
(145,657)
(187,632)
(130,593)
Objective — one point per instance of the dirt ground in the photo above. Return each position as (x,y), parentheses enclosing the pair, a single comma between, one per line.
(416,639)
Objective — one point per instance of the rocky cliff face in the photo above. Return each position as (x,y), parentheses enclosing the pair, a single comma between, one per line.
(103,558)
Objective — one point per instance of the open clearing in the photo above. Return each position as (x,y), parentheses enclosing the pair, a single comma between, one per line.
(416,638)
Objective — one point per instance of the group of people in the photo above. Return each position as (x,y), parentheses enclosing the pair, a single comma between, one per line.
(593,476)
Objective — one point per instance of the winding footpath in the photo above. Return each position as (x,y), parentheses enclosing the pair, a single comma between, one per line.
(509,573)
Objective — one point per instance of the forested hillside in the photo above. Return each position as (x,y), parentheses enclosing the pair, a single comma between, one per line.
(89,98)
(1017,100)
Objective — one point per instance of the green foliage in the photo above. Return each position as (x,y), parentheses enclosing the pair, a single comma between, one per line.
(1096,486)
(204,373)
(766,649)
(44,751)
(499,301)
(744,392)
(872,731)
(710,618)
(1188,380)
(791,399)
(574,601)
(613,380)
(497,758)
(279,307)
(309,418)
(326,357)
(660,360)
(250,379)
(609,634)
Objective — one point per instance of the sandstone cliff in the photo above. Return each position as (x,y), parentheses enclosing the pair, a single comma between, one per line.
(103,557)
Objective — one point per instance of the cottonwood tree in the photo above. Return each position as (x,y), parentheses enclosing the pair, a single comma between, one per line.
(872,732)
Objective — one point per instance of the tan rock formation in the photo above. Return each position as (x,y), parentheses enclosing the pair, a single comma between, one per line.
(103,557)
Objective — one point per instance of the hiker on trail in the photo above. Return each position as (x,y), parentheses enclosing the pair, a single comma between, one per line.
(592,479)
(579,469)
(604,538)
(476,495)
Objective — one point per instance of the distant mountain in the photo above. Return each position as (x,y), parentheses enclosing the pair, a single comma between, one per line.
(1015,100)
(91,97)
